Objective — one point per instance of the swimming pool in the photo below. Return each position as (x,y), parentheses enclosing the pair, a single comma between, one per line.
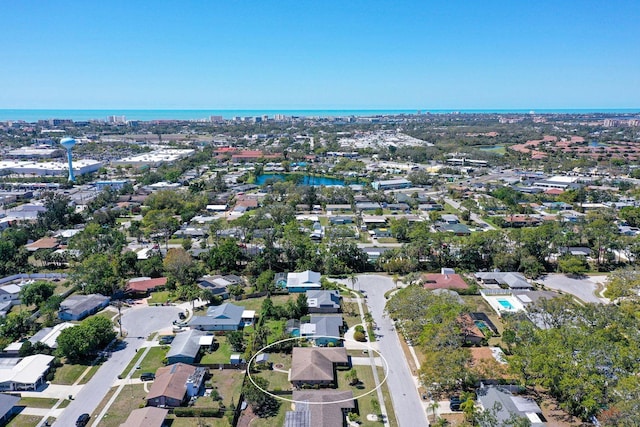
(482,326)
(505,304)
(295,332)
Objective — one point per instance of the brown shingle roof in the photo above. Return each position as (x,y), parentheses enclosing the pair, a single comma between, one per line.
(171,381)
(44,243)
(315,364)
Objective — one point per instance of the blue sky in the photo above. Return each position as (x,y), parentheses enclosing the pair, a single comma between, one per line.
(323,54)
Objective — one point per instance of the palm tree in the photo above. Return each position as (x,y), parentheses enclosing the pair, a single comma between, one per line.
(433,407)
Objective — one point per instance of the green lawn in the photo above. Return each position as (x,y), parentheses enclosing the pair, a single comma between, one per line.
(131,397)
(221,355)
(277,380)
(256,303)
(67,374)
(197,422)
(24,421)
(38,402)
(159,297)
(152,361)
(134,362)
(228,382)
(90,374)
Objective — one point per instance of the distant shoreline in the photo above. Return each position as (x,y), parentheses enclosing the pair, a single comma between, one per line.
(33,115)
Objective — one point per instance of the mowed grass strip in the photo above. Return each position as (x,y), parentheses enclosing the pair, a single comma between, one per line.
(24,421)
(38,402)
(152,361)
(67,374)
(131,397)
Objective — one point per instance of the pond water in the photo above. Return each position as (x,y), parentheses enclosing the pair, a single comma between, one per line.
(304,179)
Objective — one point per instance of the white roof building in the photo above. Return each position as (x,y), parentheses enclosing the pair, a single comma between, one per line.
(28,374)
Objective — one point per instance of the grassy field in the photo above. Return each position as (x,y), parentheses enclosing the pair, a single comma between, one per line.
(90,374)
(228,383)
(37,402)
(277,380)
(159,297)
(152,361)
(67,374)
(256,303)
(130,398)
(132,363)
(221,355)
(24,421)
(198,422)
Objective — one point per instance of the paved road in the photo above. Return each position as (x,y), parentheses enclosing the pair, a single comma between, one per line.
(139,322)
(406,401)
(474,217)
(582,288)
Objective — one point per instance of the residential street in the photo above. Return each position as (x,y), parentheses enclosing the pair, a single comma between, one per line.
(139,322)
(408,407)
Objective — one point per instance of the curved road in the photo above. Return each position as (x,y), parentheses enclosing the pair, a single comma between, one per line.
(139,322)
(406,401)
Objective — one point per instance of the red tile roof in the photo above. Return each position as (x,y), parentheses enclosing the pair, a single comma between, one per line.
(145,285)
(443,281)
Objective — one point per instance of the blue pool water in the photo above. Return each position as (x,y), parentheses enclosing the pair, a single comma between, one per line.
(295,333)
(505,304)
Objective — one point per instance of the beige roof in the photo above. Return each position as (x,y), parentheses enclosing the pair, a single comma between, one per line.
(44,243)
(146,417)
(171,381)
(315,364)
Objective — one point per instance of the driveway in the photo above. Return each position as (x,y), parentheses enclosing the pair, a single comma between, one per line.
(402,387)
(583,289)
(139,322)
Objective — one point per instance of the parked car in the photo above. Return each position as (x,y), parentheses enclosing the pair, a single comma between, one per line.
(166,339)
(83,420)
(182,316)
(147,376)
(454,403)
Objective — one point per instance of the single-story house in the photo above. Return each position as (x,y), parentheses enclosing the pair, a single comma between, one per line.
(322,301)
(27,374)
(216,284)
(493,397)
(443,280)
(49,336)
(174,384)
(186,346)
(456,229)
(10,293)
(470,331)
(225,317)
(77,307)
(326,408)
(511,280)
(324,328)
(8,408)
(450,219)
(143,285)
(146,417)
(316,366)
(303,281)
(44,243)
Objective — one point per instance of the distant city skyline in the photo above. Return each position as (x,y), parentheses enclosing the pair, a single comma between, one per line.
(286,55)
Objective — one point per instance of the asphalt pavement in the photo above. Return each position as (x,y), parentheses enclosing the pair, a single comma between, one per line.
(584,289)
(408,407)
(139,322)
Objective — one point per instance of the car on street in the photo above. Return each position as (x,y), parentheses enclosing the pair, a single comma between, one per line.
(82,420)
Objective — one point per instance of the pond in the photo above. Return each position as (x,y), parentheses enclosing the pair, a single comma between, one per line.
(303,179)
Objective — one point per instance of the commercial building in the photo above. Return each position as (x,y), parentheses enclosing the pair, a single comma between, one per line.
(22,167)
(155,158)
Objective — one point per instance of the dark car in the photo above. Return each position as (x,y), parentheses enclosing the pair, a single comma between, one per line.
(454,403)
(182,316)
(166,339)
(147,376)
(82,420)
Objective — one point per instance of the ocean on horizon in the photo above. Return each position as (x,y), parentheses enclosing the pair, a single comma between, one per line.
(33,115)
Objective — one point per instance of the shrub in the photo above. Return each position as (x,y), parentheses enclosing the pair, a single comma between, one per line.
(359,336)
(359,328)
